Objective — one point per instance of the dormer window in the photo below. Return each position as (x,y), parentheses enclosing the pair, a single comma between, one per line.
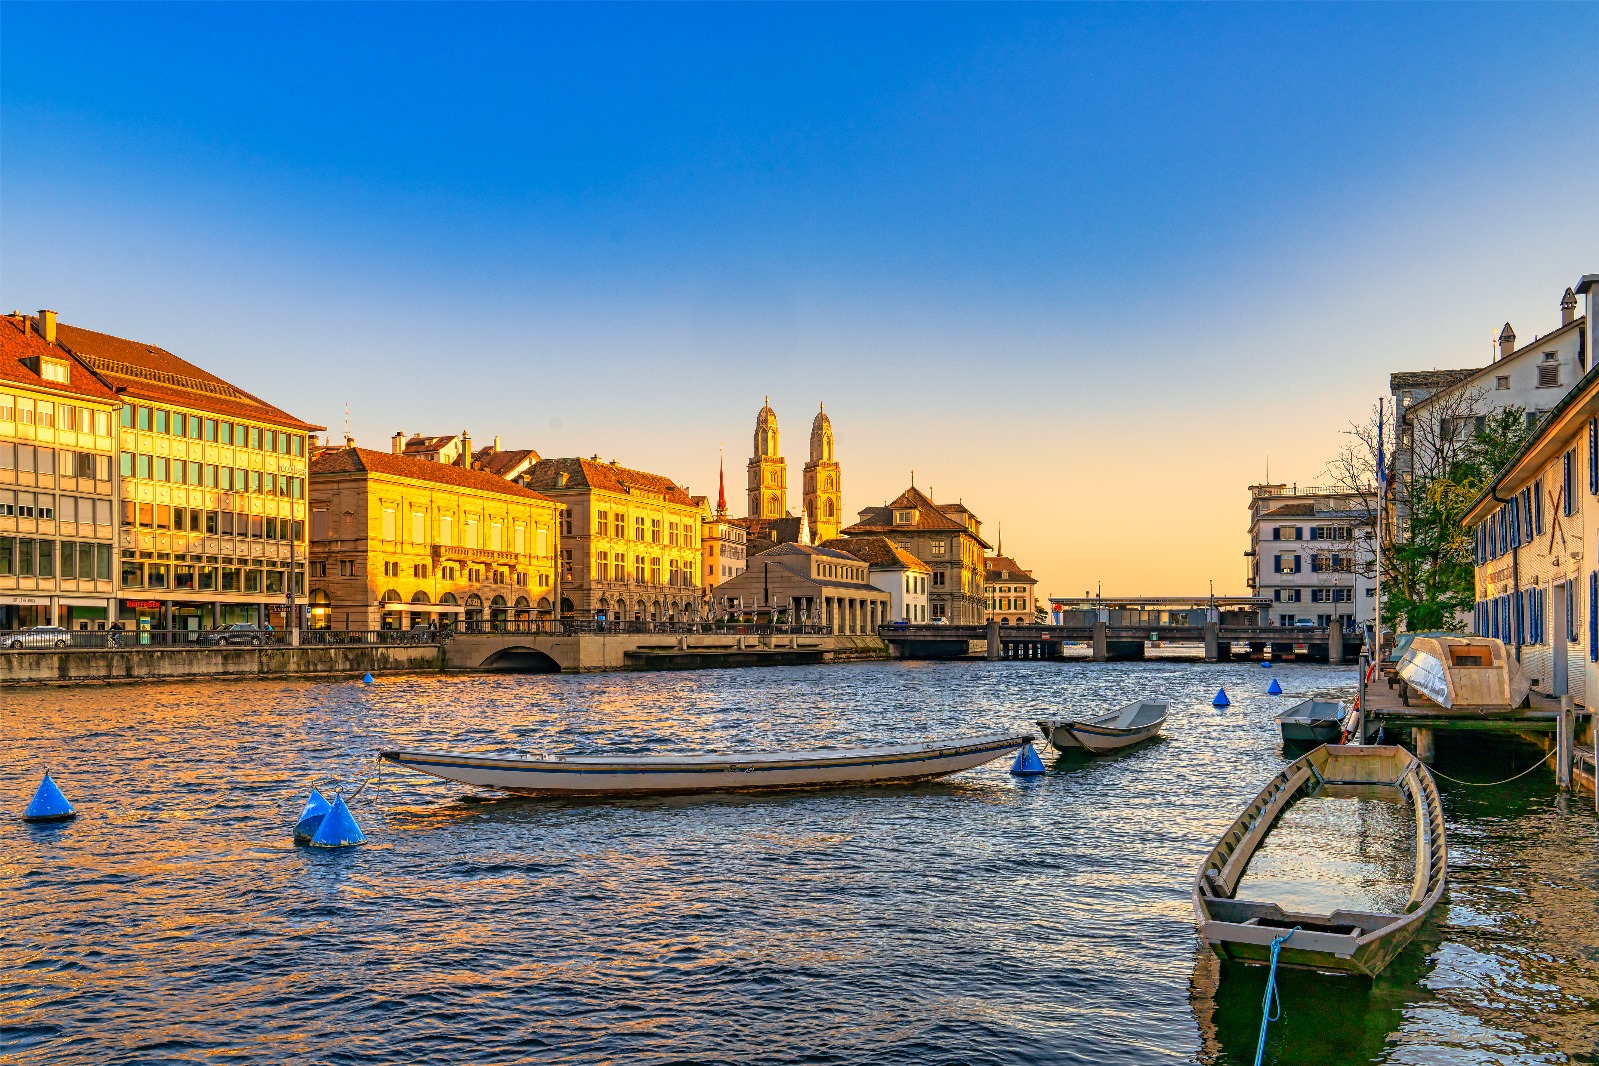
(904,518)
(55,370)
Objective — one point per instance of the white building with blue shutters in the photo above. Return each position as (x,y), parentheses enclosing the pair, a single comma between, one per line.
(1536,536)
(1311,555)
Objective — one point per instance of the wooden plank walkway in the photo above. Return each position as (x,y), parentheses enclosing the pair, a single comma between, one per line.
(1383,707)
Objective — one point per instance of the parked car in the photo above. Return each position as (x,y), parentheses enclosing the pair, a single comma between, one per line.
(39,637)
(1304,623)
(234,633)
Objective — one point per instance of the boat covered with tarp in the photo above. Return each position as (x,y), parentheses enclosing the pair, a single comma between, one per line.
(621,775)
(1343,941)
(1462,673)
(1312,722)
(1106,731)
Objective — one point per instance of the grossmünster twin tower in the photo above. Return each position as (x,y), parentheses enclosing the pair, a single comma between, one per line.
(768,476)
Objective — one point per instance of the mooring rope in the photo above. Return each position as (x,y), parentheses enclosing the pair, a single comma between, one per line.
(1271,1006)
(1488,784)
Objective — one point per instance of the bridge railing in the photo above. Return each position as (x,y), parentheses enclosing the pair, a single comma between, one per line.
(36,640)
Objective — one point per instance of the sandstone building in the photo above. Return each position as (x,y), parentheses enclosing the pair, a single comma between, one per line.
(948,538)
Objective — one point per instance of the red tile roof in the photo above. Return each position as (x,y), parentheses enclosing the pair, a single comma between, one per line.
(145,372)
(606,477)
(877,552)
(19,341)
(364,460)
(928,516)
(1004,568)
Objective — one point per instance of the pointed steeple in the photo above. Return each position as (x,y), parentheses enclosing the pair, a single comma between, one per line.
(721,486)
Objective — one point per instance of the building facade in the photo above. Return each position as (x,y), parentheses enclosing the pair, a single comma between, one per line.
(1437,410)
(948,539)
(767,471)
(896,571)
(398,542)
(58,425)
(1534,533)
(1312,553)
(1008,592)
(211,491)
(817,586)
(630,542)
(824,507)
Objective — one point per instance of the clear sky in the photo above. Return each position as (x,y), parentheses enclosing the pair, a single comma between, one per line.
(1084,268)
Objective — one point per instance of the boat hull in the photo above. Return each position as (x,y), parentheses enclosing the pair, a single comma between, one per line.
(1312,734)
(657,775)
(1097,737)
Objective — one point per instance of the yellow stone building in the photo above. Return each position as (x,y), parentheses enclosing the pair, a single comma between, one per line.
(630,542)
(767,469)
(57,494)
(824,506)
(211,486)
(398,542)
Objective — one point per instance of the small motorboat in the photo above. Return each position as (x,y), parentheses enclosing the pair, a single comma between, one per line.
(1461,673)
(630,775)
(1110,731)
(1311,723)
(1350,942)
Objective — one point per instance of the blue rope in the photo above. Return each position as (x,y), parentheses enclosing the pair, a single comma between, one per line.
(1271,1007)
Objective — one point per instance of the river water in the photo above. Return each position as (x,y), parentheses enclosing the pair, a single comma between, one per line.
(983,919)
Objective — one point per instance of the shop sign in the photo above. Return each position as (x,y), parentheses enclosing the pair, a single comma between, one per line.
(23,599)
(144,605)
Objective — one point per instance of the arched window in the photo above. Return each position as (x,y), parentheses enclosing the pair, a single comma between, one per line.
(827,509)
(420,597)
(771,504)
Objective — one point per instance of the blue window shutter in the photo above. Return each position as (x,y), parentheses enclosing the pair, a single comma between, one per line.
(1593,616)
(1298,563)
(1299,532)
(1537,505)
(1276,564)
(1315,565)
(1593,456)
(1276,533)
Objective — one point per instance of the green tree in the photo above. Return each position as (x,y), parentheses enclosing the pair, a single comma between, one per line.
(1451,455)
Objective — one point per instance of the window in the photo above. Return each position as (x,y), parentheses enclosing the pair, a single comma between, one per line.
(938,578)
(389,532)
(940,547)
(1568,483)
(602,523)
(655,531)
(1549,371)
(638,528)
(446,524)
(1502,382)
(638,569)
(419,531)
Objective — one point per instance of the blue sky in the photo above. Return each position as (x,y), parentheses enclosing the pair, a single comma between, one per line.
(1082,267)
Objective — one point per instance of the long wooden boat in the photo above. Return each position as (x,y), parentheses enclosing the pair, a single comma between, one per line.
(1110,731)
(1350,942)
(1312,722)
(625,775)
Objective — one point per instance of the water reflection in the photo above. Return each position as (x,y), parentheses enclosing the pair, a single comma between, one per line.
(980,919)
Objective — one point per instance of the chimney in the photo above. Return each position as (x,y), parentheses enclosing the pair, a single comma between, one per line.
(397,443)
(497,436)
(47,324)
(1507,341)
(349,442)
(466,450)
(1568,308)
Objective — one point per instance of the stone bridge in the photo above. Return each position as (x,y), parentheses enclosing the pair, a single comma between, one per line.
(591,652)
(1116,643)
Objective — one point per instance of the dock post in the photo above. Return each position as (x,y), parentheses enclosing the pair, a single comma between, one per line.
(1565,747)
(1101,643)
(1335,644)
(1212,642)
(1422,738)
(991,633)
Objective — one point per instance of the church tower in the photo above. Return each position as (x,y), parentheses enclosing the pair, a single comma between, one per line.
(823,485)
(768,473)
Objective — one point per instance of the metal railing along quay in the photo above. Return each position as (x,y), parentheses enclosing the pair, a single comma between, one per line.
(35,640)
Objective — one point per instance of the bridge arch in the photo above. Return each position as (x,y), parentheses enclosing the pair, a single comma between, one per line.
(520,660)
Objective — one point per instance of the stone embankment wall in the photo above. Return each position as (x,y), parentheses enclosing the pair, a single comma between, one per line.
(158,664)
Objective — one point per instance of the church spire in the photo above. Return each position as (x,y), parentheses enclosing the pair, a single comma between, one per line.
(721,484)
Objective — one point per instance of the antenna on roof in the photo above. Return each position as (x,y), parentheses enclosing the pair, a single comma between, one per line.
(346,419)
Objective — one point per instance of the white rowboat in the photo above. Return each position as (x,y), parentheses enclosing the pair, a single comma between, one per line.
(631,775)
(1121,728)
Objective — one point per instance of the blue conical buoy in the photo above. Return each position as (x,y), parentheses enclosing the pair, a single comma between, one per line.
(1221,699)
(1265,664)
(1274,689)
(338,828)
(310,820)
(1027,763)
(367,680)
(48,804)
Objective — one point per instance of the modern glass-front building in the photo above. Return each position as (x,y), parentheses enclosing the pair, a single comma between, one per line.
(57,493)
(211,491)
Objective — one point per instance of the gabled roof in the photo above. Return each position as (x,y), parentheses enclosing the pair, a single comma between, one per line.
(605,477)
(929,516)
(144,372)
(19,341)
(1537,344)
(1547,441)
(1004,568)
(505,464)
(806,549)
(364,460)
(1426,379)
(878,553)
(1291,510)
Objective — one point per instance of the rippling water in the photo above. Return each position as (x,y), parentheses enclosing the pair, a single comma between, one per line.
(984,919)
